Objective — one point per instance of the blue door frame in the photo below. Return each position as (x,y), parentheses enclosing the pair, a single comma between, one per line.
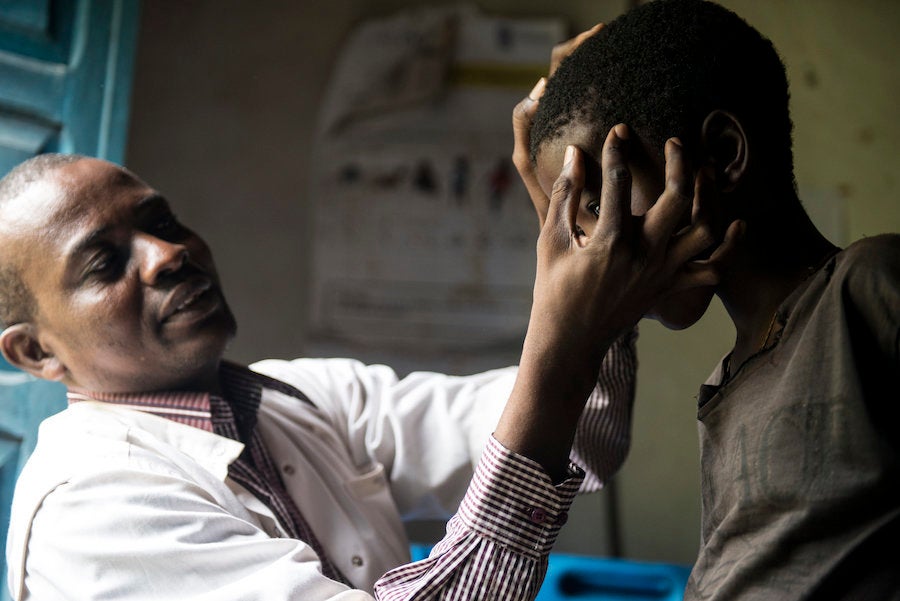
(65,84)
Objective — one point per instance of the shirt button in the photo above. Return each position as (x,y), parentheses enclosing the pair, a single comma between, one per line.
(538,515)
(562,518)
(288,469)
(356,560)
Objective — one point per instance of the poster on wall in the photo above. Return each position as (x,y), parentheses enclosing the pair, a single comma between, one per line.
(425,238)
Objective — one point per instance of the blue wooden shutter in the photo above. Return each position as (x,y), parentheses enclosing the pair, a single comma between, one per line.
(65,82)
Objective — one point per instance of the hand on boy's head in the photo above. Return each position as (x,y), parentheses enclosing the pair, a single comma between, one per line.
(591,288)
(522,116)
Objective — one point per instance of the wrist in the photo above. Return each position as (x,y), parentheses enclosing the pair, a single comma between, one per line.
(559,366)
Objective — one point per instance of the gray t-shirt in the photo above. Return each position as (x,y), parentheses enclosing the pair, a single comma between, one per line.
(799,449)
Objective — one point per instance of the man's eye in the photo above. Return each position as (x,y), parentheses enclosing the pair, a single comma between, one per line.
(103,265)
(594,207)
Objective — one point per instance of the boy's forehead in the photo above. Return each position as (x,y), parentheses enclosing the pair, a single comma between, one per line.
(549,159)
(587,137)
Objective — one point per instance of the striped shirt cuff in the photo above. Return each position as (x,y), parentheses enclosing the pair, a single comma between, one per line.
(513,502)
(497,545)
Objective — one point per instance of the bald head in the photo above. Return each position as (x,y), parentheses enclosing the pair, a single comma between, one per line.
(17,304)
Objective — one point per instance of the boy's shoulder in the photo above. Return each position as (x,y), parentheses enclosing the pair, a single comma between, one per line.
(866,276)
(879,246)
(869,257)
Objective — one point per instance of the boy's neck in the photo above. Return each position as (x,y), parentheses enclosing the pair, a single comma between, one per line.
(776,257)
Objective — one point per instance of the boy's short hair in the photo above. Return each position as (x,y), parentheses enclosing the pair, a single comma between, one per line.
(661,68)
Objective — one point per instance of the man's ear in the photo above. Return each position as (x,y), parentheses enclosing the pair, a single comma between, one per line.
(725,144)
(21,348)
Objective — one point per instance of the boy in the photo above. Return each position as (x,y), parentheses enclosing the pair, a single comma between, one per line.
(798,424)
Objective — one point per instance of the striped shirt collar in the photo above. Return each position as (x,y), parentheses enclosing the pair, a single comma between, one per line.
(232,414)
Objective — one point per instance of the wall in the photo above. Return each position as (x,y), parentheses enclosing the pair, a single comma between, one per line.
(225,97)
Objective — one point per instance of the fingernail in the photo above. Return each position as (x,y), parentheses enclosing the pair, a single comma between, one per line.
(621,131)
(538,90)
(676,142)
(570,154)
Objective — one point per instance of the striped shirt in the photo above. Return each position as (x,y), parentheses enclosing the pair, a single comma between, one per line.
(497,544)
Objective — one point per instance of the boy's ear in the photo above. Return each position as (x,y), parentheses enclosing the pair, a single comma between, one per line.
(725,143)
(21,348)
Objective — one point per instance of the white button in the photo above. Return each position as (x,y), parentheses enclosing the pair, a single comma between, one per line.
(356,560)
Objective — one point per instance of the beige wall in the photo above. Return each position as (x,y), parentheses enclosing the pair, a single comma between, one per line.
(225,98)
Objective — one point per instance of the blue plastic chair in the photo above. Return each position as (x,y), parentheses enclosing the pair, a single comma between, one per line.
(584,578)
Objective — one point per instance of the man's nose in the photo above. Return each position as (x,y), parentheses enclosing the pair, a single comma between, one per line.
(159,257)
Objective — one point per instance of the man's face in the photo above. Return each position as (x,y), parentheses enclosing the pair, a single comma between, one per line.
(127,298)
(675,311)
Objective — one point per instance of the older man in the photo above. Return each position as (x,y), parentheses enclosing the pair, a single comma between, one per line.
(799,421)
